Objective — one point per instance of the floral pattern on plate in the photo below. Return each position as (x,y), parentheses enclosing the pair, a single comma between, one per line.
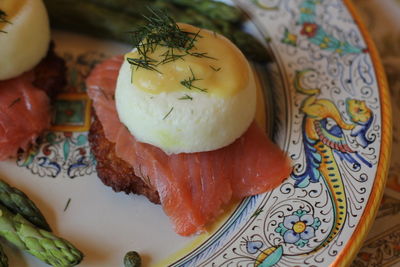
(325,98)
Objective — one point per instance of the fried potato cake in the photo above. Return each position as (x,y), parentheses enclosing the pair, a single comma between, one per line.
(50,73)
(112,170)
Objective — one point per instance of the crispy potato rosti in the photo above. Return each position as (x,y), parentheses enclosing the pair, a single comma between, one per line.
(113,171)
(50,73)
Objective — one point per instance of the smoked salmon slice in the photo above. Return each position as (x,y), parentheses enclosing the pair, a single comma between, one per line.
(194,188)
(24,114)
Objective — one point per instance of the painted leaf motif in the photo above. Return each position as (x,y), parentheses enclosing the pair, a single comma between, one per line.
(81,140)
(66,149)
(281,229)
(316,223)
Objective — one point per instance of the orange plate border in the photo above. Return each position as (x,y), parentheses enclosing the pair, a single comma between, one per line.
(352,247)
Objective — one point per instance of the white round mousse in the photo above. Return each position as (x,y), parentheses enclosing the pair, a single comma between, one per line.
(26,39)
(207,122)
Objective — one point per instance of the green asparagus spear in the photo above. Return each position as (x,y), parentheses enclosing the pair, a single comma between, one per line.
(137,8)
(115,19)
(85,17)
(209,8)
(40,243)
(212,9)
(131,7)
(247,43)
(17,202)
(3,258)
(250,46)
(193,18)
(132,259)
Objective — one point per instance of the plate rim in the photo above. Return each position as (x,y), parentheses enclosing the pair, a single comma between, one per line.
(347,254)
(350,250)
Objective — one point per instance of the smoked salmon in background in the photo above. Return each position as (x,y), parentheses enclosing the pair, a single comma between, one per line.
(30,73)
(24,114)
(25,104)
(194,188)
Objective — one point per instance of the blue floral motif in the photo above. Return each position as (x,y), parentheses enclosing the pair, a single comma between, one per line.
(254,247)
(298,228)
(61,153)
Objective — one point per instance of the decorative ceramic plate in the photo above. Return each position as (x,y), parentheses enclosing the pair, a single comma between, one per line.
(330,112)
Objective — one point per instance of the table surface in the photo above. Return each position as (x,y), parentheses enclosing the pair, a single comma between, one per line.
(382,246)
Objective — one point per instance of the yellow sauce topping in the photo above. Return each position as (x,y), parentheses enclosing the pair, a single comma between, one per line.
(11,7)
(222,72)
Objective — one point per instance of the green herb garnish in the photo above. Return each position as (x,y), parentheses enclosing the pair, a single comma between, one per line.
(3,16)
(162,31)
(14,102)
(186,97)
(145,63)
(3,19)
(67,205)
(188,83)
(169,112)
(215,69)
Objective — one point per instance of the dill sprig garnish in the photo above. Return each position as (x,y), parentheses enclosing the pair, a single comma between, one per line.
(148,63)
(3,16)
(67,205)
(169,112)
(3,19)
(188,83)
(215,69)
(186,97)
(15,101)
(162,31)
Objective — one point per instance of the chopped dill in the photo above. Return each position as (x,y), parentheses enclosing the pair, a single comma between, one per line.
(14,102)
(3,19)
(186,97)
(188,83)
(148,63)
(162,31)
(67,205)
(169,112)
(203,54)
(215,69)
(3,16)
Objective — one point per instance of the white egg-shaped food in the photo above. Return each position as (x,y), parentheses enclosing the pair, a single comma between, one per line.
(210,113)
(25,38)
